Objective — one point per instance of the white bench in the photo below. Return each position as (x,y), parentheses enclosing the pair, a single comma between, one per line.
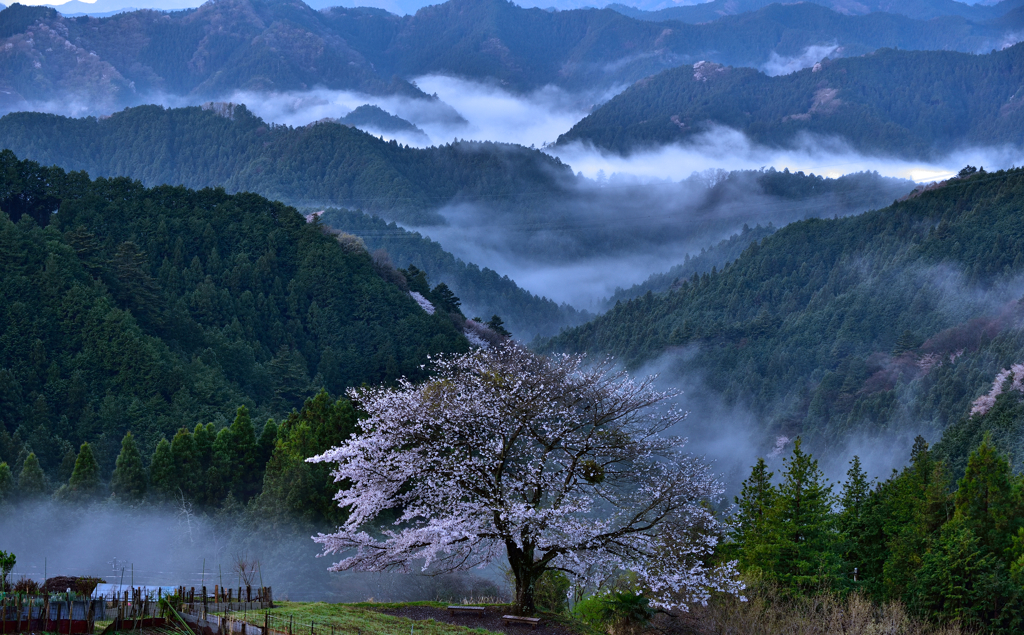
(516,619)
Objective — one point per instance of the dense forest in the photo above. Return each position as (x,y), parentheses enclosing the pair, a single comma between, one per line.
(888,322)
(483,292)
(325,163)
(912,104)
(97,65)
(945,542)
(132,309)
(713,257)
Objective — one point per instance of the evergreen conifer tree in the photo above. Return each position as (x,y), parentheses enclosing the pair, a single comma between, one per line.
(754,514)
(84,483)
(128,484)
(246,474)
(986,500)
(803,526)
(161,470)
(6,482)
(31,480)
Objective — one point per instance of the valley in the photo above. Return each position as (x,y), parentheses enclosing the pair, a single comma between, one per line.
(646,318)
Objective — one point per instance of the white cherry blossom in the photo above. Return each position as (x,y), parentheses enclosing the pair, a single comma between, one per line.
(548,462)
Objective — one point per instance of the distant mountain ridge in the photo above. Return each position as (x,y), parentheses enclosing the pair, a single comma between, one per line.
(916,9)
(100,65)
(932,102)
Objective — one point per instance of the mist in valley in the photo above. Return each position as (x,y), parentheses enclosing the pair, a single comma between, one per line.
(175,545)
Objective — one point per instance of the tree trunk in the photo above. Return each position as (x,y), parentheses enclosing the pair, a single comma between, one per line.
(525,572)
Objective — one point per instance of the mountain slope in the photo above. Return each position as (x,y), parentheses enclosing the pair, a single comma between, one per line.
(907,103)
(99,65)
(893,320)
(483,292)
(149,309)
(320,164)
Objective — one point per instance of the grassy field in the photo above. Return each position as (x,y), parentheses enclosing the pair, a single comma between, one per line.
(359,618)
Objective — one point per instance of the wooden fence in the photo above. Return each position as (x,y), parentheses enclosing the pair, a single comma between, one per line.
(34,613)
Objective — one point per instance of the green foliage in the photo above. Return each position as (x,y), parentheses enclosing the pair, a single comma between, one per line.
(802,326)
(84,484)
(320,162)
(7,561)
(950,554)
(625,611)
(802,527)
(31,480)
(150,309)
(551,591)
(293,488)
(6,483)
(479,290)
(128,482)
(753,519)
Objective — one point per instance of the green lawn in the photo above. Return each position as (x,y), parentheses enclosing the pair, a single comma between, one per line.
(355,618)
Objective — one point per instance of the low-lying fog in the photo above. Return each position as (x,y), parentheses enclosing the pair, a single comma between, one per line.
(164,546)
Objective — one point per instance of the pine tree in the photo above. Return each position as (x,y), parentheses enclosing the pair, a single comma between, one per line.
(753,532)
(128,484)
(161,470)
(496,325)
(852,522)
(803,526)
(31,480)
(985,498)
(6,482)
(84,484)
(247,475)
(186,468)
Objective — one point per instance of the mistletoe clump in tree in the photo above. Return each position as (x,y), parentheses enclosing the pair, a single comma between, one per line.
(551,463)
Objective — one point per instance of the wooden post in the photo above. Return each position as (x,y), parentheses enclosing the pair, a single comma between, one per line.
(266,623)
(205,605)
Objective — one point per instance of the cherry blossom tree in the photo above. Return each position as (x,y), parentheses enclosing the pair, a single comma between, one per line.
(548,462)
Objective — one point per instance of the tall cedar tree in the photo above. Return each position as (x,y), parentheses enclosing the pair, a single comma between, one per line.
(31,480)
(84,484)
(803,526)
(756,502)
(128,483)
(161,471)
(6,482)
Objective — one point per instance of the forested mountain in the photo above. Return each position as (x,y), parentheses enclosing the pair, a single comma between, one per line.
(483,292)
(917,9)
(894,320)
(103,64)
(320,164)
(547,214)
(903,103)
(367,117)
(127,308)
(714,257)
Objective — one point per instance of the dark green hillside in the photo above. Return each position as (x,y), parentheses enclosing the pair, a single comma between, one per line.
(148,309)
(325,163)
(905,103)
(892,320)
(483,292)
